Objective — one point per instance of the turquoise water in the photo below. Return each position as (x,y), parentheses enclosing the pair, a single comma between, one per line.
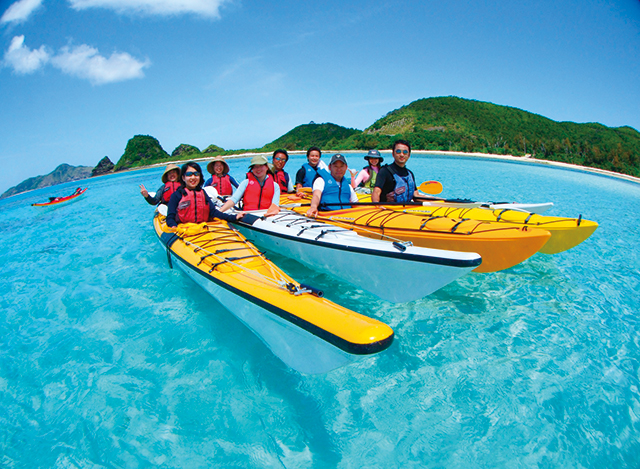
(110,359)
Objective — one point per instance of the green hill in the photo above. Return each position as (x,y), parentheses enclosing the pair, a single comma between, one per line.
(141,150)
(457,124)
(62,173)
(308,135)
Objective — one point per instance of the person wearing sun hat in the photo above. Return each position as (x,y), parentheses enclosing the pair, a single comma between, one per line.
(367,176)
(259,191)
(170,183)
(220,178)
(332,191)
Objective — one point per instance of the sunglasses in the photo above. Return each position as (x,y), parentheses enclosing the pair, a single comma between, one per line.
(404,152)
(192,173)
(280,159)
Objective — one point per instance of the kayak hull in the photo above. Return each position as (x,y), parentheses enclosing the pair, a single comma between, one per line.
(308,333)
(566,233)
(61,200)
(396,273)
(500,247)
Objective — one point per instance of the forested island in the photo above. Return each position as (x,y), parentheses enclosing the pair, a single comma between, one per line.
(442,124)
(438,124)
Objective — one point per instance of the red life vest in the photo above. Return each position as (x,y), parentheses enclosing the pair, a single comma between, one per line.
(169,188)
(222,184)
(257,197)
(193,207)
(282,179)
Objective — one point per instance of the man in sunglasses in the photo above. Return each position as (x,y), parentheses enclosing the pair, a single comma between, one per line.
(395,183)
(280,158)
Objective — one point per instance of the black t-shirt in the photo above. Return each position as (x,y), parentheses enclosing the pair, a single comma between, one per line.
(386,182)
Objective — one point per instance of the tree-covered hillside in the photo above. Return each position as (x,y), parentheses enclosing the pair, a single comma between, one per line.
(308,135)
(465,125)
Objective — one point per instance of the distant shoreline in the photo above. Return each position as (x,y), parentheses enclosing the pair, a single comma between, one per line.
(511,158)
(493,156)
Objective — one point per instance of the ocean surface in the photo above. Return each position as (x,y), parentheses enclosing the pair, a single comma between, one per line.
(110,359)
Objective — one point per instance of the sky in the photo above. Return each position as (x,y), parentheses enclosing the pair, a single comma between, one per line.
(79,78)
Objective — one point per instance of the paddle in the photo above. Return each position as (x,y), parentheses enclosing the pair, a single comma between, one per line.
(430,187)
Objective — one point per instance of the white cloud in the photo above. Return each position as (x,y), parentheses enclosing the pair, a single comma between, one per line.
(19,11)
(85,62)
(82,61)
(208,8)
(22,59)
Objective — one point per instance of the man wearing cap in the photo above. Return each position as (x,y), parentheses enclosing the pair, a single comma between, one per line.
(280,158)
(395,183)
(332,191)
(259,191)
(368,175)
(220,178)
(170,183)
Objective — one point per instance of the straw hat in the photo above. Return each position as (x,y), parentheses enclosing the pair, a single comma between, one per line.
(169,168)
(221,160)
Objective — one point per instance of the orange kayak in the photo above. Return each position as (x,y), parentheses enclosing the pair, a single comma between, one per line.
(499,246)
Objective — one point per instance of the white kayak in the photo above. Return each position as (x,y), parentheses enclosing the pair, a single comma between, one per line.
(394,271)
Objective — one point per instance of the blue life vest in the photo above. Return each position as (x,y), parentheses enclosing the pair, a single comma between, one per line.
(335,193)
(405,186)
(311,173)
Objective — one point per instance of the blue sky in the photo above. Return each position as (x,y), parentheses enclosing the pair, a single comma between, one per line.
(78,78)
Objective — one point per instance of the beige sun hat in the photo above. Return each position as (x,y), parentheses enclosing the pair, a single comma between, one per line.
(221,160)
(169,168)
(258,159)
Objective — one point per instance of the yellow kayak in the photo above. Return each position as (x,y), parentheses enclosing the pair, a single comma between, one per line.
(306,331)
(565,232)
(499,246)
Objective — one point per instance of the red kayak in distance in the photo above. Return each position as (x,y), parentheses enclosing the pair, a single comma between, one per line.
(60,200)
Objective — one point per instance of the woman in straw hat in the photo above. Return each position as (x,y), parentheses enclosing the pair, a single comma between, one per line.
(220,178)
(259,191)
(170,183)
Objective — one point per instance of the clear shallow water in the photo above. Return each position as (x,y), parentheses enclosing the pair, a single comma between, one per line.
(110,359)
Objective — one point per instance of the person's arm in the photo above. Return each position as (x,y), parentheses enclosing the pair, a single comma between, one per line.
(318,188)
(215,213)
(276,193)
(155,200)
(234,183)
(353,197)
(235,197)
(172,208)
(362,177)
(299,180)
(290,187)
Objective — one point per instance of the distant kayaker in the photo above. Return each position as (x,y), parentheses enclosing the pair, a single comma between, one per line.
(170,183)
(367,176)
(220,178)
(259,191)
(190,204)
(395,183)
(332,191)
(279,159)
(310,170)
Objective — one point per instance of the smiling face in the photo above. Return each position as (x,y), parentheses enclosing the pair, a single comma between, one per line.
(374,161)
(218,168)
(191,178)
(338,169)
(279,160)
(401,154)
(314,158)
(172,176)
(259,171)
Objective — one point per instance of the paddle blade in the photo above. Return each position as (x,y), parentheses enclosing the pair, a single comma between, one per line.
(273,210)
(430,187)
